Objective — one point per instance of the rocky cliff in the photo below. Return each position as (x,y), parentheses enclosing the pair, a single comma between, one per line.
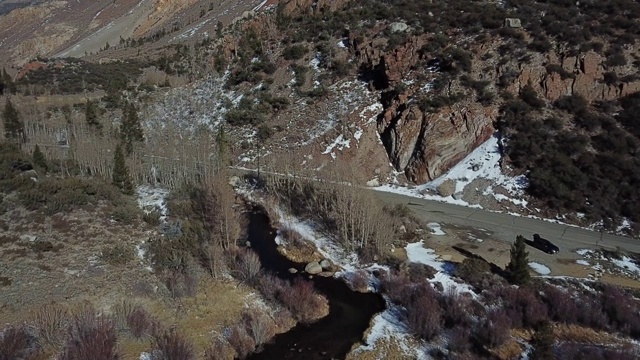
(425,144)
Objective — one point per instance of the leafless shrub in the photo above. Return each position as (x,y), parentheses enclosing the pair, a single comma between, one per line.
(304,302)
(417,272)
(50,323)
(455,309)
(590,313)
(214,259)
(523,306)
(572,351)
(460,340)
(170,345)
(241,341)
(18,343)
(359,281)
(260,326)
(621,309)
(270,286)
(398,287)
(493,330)
(121,312)
(561,305)
(423,313)
(140,323)
(181,275)
(91,336)
(247,266)
(291,236)
(220,350)
(299,297)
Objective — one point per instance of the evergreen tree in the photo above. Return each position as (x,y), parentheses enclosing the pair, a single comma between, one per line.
(39,159)
(9,85)
(518,267)
(121,177)
(131,129)
(542,343)
(91,114)
(13,127)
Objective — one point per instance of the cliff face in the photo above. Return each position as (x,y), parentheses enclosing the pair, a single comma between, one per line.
(584,76)
(426,144)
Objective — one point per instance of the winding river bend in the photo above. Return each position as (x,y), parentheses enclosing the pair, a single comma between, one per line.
(332,336)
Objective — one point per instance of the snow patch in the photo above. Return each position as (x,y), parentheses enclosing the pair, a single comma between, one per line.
(584,252)
(374,109)
(315,63)
(582,262)
(539,268)
(341,43)
(387,324)
(340,143)
(153,198)
(485,160)
(627,264)
(417,253)
(358,134)
(325,246)
(436,229)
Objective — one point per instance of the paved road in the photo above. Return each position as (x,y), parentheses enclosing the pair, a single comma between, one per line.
(506,227)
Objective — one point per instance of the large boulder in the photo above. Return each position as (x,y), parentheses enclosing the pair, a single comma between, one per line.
(313,268)
(326,264)
(447,188)
(398,27)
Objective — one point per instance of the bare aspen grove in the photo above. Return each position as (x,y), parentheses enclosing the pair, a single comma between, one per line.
(335,198)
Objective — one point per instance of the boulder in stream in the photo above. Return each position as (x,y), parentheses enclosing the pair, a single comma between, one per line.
(313,268)
(326,264)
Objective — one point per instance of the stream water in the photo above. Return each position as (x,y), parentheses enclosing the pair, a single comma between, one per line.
(332,336)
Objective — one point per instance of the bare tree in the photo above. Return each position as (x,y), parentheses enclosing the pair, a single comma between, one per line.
(260,326)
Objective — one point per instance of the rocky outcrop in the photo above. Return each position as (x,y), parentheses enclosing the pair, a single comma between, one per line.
(583,75)
(426,145)
(297,7)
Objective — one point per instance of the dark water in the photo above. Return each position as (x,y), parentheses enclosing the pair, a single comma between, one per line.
(332,336)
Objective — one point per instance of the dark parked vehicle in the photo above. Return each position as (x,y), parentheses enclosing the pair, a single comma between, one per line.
(544,244)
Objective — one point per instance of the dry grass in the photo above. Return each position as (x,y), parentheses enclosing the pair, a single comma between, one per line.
(575,333)
(215,306)
(296,248)
(386,348)
(511,349)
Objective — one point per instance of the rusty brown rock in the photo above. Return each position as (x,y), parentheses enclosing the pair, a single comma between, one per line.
(447,137)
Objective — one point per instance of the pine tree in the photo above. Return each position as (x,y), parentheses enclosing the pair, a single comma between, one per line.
(9,85)
(121,177)
(518,267)
(39,159)
(91,115)
(542,343)
(131,129)
(13,127)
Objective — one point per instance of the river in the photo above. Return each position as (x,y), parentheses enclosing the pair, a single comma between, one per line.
(332,336)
